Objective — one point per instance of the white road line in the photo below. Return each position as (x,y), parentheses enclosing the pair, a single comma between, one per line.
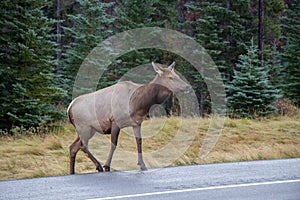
(196,189)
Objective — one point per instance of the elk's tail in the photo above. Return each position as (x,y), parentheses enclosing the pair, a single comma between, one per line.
(70,114)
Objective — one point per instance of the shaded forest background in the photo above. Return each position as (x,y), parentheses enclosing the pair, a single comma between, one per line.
(254,43)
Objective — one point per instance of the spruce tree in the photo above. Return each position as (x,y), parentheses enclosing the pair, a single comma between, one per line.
(27,84)
(250,93)
(89,25)
(139,14)
(150,13)
(221,27)
(291,55)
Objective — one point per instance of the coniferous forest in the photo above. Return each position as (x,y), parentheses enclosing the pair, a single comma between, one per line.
(254,43)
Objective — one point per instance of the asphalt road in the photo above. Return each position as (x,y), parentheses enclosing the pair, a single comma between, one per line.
(276,179)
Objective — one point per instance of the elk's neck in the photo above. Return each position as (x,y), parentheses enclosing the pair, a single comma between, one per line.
(159,93)
(147,95)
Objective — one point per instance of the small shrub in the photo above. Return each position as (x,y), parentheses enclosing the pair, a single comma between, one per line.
(285,107)
(230,123)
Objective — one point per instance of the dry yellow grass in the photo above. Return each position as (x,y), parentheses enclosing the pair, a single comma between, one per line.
(168,141)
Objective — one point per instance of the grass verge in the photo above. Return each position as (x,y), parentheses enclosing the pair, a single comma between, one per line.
(240,140)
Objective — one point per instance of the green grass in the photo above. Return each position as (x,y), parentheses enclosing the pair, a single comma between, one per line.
(167,141)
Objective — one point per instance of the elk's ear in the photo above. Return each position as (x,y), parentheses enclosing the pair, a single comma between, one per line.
(157,69)
(171,67)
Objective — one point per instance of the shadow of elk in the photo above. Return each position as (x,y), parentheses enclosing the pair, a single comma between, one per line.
(121,105)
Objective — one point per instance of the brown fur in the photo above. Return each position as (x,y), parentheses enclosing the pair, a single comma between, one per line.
(121,105)
(145,97)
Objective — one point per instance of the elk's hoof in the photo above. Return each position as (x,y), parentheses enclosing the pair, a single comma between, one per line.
(143,167)
(106,168)
(99,168)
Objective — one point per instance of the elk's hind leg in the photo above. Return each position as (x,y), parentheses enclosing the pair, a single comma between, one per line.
(85,136)
(74,148)
(84,148)
(93,159)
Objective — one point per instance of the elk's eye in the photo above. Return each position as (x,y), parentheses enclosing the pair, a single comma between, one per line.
(171,78)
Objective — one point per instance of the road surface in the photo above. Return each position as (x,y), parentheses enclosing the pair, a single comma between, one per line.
(276,179)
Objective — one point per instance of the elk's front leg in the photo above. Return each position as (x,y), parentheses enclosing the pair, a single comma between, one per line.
(138,137)
(115,130)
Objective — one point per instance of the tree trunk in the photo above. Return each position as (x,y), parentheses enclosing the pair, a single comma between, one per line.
(261,28)
(228,39)
(58,37)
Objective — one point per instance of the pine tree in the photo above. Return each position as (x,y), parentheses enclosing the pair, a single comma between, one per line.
(150,13)
(291,69)
(139,14)
(273,12)
(27,85)
(250,93)
(89,25)
(221,27)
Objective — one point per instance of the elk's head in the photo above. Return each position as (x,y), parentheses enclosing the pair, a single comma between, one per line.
(168,78)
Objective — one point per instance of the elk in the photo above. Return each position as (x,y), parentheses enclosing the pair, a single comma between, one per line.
(124,104)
